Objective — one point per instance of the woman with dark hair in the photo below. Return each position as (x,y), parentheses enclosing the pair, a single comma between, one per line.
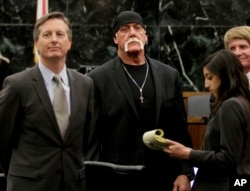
(225,153)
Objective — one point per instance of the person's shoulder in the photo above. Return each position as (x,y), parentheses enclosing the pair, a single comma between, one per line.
(106,66)
(161,65)
(82,80)
(22,74)
(78,75)
(234,102)
(229,101)
(21,79)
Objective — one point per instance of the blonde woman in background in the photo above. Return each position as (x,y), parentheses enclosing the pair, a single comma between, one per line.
(237,40)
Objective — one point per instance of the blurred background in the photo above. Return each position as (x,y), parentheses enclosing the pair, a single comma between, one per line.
(181,32)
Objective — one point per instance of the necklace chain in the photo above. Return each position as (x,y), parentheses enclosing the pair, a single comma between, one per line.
(140,88)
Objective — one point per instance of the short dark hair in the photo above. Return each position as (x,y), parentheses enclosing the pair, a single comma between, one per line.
(51,15)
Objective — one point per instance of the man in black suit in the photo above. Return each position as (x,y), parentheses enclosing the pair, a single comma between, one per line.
(35,154)
(134,94)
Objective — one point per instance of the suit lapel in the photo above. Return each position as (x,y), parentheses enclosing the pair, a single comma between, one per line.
(43,95)
(74,95)
(158,87)
(120,77)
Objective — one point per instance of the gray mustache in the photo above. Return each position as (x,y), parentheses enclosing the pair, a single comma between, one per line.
(133,40)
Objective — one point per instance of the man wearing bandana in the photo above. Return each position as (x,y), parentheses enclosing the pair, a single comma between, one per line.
(135,94)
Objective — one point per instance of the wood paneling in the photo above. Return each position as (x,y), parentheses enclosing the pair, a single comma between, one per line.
(196,125)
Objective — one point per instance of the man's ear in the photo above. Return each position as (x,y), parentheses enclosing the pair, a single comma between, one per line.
(114,39)
(146,41)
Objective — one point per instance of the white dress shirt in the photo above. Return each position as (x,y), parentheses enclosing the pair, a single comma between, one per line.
(50,84)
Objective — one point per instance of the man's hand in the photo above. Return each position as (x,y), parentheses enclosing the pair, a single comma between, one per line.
(182,183)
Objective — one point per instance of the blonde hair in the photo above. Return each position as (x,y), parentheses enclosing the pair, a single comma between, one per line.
(240,32)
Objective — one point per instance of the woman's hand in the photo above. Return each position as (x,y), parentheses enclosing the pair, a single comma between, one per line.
(177,150)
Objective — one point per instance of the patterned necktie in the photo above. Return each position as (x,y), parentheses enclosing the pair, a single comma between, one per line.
(60,105)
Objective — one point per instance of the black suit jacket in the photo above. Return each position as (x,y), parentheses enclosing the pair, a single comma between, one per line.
(226,148)
(119,125)
(33,154)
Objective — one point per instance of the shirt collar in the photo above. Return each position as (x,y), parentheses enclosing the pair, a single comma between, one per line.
(48,74)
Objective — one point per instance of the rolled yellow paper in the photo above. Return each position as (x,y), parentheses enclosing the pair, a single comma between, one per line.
(154,139)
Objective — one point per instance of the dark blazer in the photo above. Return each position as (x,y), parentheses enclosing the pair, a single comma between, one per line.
(119,124)
(33,154)
(226,148)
